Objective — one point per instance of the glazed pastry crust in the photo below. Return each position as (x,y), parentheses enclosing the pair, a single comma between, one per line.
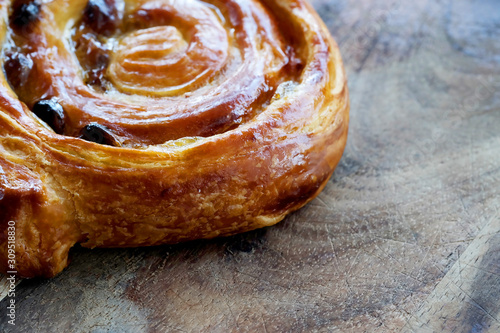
(225,139)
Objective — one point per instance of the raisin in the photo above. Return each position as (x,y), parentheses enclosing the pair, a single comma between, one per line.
(52,113)
(98,133)
(25,13)
(17,68)
(101,16)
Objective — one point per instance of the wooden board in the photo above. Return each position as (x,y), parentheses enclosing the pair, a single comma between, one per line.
(405,237)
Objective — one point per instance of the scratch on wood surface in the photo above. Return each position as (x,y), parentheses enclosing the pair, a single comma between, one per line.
(332,246)
(318,198)
(264,324)
(5,286)
(433,242)
(445,310)
(224,298)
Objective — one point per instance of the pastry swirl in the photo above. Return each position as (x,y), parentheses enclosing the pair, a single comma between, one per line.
(136,123)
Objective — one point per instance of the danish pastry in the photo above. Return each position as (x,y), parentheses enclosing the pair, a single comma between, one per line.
(136,123)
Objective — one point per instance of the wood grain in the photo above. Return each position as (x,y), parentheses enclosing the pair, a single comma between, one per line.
(405,237)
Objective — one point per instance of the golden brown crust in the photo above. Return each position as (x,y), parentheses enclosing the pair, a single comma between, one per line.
(220,117)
